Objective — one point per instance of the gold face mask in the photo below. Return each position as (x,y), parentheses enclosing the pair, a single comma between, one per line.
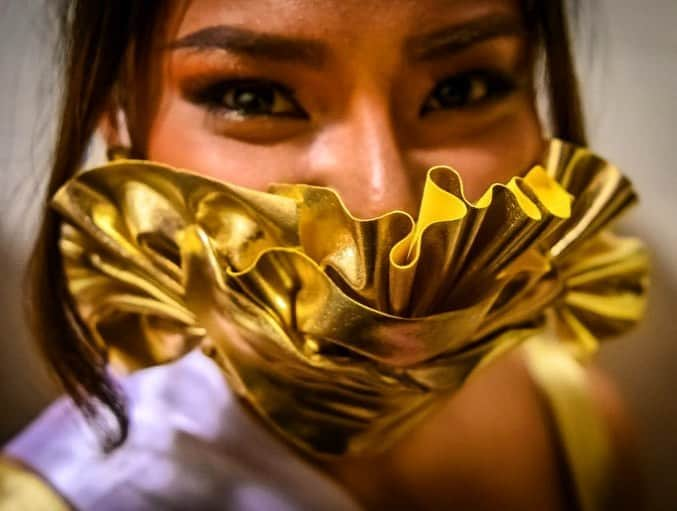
(343,332)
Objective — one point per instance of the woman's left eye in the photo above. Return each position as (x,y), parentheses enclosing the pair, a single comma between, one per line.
(468,89)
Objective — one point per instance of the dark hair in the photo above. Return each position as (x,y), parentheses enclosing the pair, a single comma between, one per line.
(99,41)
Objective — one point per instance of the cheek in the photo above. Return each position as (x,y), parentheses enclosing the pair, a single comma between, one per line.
(179,136)
(494,155)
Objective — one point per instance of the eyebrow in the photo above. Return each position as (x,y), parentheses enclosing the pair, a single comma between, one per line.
(314,53)
(456,38)
(254,44)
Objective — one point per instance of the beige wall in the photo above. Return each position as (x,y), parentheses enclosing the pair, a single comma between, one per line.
(631,89)
(26,98)
(629,65)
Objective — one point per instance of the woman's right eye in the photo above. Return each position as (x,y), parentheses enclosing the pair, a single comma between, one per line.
(251,98)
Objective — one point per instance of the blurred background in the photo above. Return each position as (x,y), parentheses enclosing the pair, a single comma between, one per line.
(628,64)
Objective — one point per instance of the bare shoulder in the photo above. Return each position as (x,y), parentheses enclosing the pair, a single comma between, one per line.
(492,446)
(529,423)
(627,485)
(507,455)
(530,414)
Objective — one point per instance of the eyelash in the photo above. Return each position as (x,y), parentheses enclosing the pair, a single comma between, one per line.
(457,92)
(469,89)
(216,98)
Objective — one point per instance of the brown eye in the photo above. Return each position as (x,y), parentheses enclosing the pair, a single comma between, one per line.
(468,89)
(252,98)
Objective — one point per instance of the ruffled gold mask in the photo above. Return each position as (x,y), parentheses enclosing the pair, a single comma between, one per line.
(341,332)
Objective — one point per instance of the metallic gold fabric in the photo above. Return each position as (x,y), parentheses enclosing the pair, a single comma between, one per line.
(343,332)
(581,430)
(22,490)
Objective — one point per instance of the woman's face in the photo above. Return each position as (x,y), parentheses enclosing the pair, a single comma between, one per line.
(359,95)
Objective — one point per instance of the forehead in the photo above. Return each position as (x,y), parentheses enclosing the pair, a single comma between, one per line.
(337,22)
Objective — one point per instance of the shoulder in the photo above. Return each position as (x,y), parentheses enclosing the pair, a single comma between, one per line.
(493,445)
(532,412)
(526,429)
(626,491)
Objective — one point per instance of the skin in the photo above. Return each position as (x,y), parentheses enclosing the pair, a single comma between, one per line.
(364,134)
(354,110)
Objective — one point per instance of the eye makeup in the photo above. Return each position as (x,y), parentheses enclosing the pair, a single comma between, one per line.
(249,97)
(469,89)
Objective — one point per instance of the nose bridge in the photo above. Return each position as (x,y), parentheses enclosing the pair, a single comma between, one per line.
(359,155)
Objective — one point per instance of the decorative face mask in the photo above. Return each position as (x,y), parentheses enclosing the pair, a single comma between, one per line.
(343,332)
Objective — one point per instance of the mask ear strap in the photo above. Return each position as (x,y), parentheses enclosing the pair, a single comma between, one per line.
(123,148)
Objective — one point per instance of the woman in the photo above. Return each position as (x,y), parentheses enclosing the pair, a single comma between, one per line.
(362,97)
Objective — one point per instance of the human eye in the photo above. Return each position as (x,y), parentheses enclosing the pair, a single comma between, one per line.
(468,89)
(248,98)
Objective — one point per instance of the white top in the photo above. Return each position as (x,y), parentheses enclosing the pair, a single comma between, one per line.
(190,446)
